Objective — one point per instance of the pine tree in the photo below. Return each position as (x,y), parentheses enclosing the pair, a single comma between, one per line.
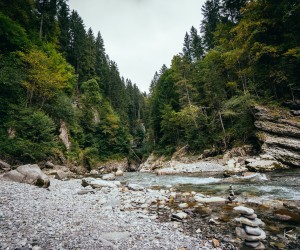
(197,50)
(211,18)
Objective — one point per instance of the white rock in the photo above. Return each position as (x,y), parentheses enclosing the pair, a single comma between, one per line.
(180,215)
(109,177)
(119,173)
(94,172)
(210,199)
(183,205)
(135,187)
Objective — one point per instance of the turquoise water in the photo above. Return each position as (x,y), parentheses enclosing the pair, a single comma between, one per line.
(276,185)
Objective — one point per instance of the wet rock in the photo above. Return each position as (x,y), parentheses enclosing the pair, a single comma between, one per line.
(241,233)
(109,177)
(135,187)
(30,174)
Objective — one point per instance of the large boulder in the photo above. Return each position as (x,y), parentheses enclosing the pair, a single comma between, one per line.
(264,165)
(31,174)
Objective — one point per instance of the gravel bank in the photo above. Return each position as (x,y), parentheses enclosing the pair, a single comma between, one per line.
(60,218)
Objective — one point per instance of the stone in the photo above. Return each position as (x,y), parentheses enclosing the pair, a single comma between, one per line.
(97,183)
(119,173)
(243,210)
(61,175)
(210,199)
(251,217)
(180,216)
(256,231)
(231,163)
(252,244)
(183,205)
(264,165)
(94,172)
(4,165)
(241,233)
(135,187)
(82,192)
(49,164)
(30,174)
(109,177)
(253,223)
(216,243)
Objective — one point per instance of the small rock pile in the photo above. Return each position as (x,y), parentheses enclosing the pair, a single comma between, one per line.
(231,197)
(249,230)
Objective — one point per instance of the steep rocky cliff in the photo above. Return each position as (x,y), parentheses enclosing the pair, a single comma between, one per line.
(279,133)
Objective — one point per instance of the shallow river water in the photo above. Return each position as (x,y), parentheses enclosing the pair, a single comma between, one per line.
(275,185)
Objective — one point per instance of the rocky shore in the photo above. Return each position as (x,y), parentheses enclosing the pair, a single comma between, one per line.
(68,216)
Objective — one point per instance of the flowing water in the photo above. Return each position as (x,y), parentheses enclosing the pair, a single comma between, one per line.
(263,193)
(275,185)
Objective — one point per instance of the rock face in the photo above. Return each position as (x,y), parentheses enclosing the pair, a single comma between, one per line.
(280,134)
(64,136)
(31,174)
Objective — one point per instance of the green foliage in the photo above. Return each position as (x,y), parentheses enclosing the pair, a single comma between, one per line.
(12,35)
(32,137)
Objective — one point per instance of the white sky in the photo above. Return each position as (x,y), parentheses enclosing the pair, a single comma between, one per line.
(140,35)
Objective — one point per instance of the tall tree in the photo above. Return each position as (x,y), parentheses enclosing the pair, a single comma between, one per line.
(211,18)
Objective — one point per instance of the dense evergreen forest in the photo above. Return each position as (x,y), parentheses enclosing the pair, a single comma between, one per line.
(246,53)
(55,75)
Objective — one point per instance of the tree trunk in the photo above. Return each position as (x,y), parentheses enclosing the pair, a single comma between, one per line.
(224,132)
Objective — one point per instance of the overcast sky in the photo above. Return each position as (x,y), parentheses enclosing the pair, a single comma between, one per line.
(140,35)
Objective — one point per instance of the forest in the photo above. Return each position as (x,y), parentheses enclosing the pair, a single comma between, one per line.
(55,73)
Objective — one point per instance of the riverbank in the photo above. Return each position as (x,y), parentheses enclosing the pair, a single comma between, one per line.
(62,217)
(139,211)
